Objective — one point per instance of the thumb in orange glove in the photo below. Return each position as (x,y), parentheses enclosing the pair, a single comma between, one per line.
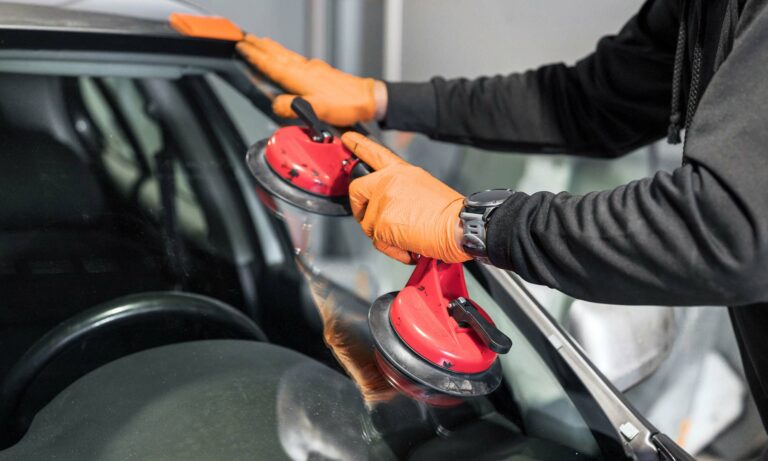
(402,208)
(337,97)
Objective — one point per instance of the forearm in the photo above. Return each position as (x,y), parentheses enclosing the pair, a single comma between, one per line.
(607,104)
(504,113)
(675,239)
(696,236)
(554,109)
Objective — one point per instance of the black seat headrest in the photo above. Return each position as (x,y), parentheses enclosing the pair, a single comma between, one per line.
(44,183)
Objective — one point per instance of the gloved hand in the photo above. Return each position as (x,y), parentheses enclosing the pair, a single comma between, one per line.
(402,208)
(337,97)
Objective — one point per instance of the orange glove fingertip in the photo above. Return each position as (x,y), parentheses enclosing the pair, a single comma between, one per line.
(281,105)
(351,139)
(394,252)
(244,48)
(359,195)
(369,151)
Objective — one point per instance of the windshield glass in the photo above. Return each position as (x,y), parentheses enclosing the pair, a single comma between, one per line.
(134,186)
(346,274)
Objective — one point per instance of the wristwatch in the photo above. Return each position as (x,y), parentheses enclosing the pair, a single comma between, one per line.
(477,210)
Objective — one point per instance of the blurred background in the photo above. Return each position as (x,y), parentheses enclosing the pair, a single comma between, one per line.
(672,363)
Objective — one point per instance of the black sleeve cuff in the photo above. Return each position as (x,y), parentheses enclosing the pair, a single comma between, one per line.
(500,228)
(411,107)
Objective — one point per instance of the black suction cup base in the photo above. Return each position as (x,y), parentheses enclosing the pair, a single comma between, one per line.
(408,363)
(276,186)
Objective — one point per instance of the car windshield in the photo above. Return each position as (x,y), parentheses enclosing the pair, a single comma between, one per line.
(335,253)
(138,184)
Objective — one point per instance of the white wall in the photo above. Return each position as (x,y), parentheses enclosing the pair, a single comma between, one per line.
(469,38)
(283,20)
(456,37)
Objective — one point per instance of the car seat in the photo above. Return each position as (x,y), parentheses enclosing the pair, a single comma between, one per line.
(62,247)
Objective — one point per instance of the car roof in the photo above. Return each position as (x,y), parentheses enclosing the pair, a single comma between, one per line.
(143,17)
(113,26)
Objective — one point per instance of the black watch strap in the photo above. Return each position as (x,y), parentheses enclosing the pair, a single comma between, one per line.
(475,215)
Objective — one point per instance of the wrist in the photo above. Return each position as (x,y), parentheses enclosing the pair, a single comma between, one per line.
(381,100)
(458,234)
(475,216)
(457,253)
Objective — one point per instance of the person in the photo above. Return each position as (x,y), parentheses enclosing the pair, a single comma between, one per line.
(695,236)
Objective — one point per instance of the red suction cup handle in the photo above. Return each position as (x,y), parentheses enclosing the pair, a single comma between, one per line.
(312,159)
(318,130)
(321,132)
(435,317)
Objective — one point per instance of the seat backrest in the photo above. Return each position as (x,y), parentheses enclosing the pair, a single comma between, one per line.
(44,184)
(37,104)
(61,248)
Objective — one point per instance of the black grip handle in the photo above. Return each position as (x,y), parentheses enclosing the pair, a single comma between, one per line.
(318,129)
(360,169)
(321,132)
(466,314)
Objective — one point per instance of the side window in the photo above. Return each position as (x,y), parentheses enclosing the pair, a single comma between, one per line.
(132,140)
(118,157)
(251,124)
(546,409)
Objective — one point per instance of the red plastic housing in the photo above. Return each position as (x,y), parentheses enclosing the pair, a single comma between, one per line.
(318,168)
(419,315)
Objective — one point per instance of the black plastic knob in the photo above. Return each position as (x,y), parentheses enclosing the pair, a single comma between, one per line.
(466,314)
(318,129)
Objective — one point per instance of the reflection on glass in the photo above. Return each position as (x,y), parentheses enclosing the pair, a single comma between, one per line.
(345,330)
(367,418)
(529,417)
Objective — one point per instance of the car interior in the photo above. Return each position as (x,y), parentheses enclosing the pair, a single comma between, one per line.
(89,206)
(68,242)
(113,244)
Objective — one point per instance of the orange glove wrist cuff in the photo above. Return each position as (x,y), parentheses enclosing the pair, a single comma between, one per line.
(453,252)
(369,109)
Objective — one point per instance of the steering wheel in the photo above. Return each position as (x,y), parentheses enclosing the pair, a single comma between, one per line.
(104,333)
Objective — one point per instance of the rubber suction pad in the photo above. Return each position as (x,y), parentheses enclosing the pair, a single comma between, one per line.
(415,368)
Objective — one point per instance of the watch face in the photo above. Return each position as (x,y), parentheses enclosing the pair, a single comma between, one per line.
(491,197)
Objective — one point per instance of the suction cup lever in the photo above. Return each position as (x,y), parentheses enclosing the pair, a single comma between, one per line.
(319,131)
(360,169)
(465,313)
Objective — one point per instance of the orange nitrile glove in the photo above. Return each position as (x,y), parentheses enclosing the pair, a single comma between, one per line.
(337,97)
(402,208)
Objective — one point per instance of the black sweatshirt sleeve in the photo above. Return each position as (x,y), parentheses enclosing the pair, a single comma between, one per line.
(610,102)
(696,236)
